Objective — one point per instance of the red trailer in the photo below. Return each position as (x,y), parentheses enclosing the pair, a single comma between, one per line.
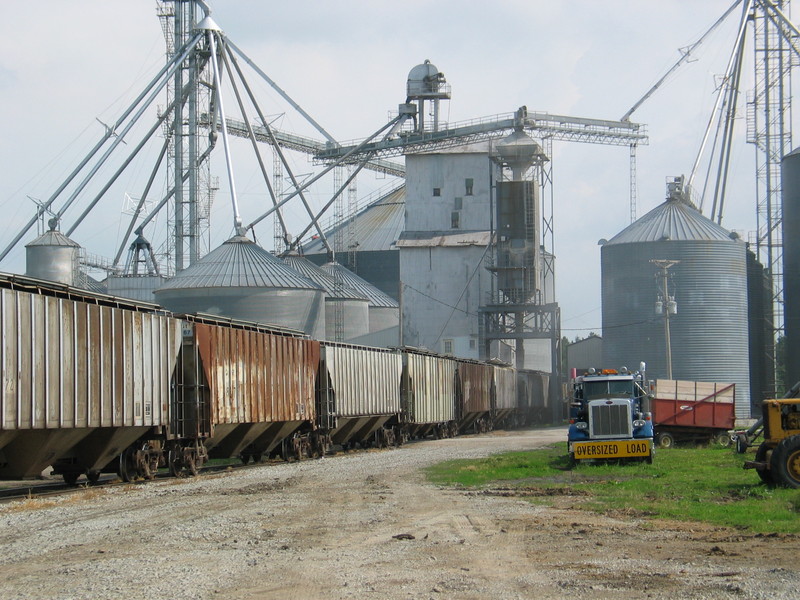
(693,411)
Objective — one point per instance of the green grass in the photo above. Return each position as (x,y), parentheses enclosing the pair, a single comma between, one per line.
(690,484)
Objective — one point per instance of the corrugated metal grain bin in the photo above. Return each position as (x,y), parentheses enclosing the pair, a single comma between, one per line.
(256,379)
(428,388)
(364,385)
(71,367)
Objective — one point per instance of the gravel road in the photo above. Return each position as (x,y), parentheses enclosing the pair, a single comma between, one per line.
(367,525)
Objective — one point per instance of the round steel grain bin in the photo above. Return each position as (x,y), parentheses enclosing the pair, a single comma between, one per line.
(384,311)
(53,257)
(341,302)
(136,287)
(709,331)
(241,280)
(790,177)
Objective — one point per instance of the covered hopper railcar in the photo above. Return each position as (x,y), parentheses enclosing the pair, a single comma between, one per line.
(94,383)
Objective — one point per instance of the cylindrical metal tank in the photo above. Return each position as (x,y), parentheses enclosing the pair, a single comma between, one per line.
(709,331)
(241,280)
(790,182)
(137,287)
(384,311)
(53,257)
(342,303)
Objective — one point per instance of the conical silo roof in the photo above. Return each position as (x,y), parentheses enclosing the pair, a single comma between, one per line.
(673,220)
(325,280)
(375,296)
(239,263)
(53,238)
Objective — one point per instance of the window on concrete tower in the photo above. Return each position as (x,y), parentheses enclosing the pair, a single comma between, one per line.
(437,191)
(447,346)
(455,219)
(457,203)
(468,186)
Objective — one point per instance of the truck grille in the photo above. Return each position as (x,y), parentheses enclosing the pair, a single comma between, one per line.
(610,420)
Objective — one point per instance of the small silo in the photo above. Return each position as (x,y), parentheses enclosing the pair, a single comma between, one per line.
(384,311)
(53,257)
(241,280)
(708,282)
(342,304)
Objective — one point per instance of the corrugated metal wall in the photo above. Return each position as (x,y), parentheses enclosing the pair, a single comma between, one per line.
(476,386)
(432,380)
(506,387)
(71,364)
(366,381)
(257,377)
(709,334)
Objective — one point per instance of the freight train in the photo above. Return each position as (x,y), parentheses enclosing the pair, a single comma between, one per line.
(93,383)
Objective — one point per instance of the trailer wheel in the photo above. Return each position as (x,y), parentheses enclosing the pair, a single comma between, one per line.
(785,462)
(665,440)
(761,456)
(723,439)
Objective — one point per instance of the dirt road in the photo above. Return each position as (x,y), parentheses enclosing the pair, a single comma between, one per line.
(367,525)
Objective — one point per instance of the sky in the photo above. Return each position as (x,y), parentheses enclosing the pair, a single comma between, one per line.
(67,67)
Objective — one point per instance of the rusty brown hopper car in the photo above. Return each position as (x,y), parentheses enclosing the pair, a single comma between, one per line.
(473,396)
(261,386)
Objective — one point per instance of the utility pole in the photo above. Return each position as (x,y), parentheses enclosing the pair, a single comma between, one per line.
(665,304)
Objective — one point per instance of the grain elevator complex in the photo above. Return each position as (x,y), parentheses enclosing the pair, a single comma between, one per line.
(456,257)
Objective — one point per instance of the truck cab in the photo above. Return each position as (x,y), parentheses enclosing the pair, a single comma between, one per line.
(609,416)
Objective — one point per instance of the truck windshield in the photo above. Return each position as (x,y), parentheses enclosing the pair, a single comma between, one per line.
(605,389)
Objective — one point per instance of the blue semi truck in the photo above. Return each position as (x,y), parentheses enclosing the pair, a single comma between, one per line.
(610,416)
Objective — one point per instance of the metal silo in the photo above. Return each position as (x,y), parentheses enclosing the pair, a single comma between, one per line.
(790,178)
(342,304)
(53,257)
(384,311)
(241,280)
(708,283)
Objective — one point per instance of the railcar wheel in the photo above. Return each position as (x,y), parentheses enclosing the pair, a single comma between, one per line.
(93,476)
(785,462)
(127,466)
(175,461)
(70,478)
(761,456)
(191,464)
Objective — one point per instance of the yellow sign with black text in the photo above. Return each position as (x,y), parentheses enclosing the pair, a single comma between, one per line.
(610,449)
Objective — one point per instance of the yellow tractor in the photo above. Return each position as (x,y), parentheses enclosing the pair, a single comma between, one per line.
(777,459)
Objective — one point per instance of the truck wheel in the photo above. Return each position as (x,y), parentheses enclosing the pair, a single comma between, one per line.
(665,440)
(785,462)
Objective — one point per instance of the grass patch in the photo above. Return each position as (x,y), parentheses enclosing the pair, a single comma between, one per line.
(689,484)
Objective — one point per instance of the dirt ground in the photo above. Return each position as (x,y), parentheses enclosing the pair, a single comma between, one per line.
(367,525)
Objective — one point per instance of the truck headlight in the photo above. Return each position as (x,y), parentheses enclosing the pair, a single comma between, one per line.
(638,423)
(581,425)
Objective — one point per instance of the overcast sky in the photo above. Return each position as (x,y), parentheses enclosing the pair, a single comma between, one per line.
(64,65)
